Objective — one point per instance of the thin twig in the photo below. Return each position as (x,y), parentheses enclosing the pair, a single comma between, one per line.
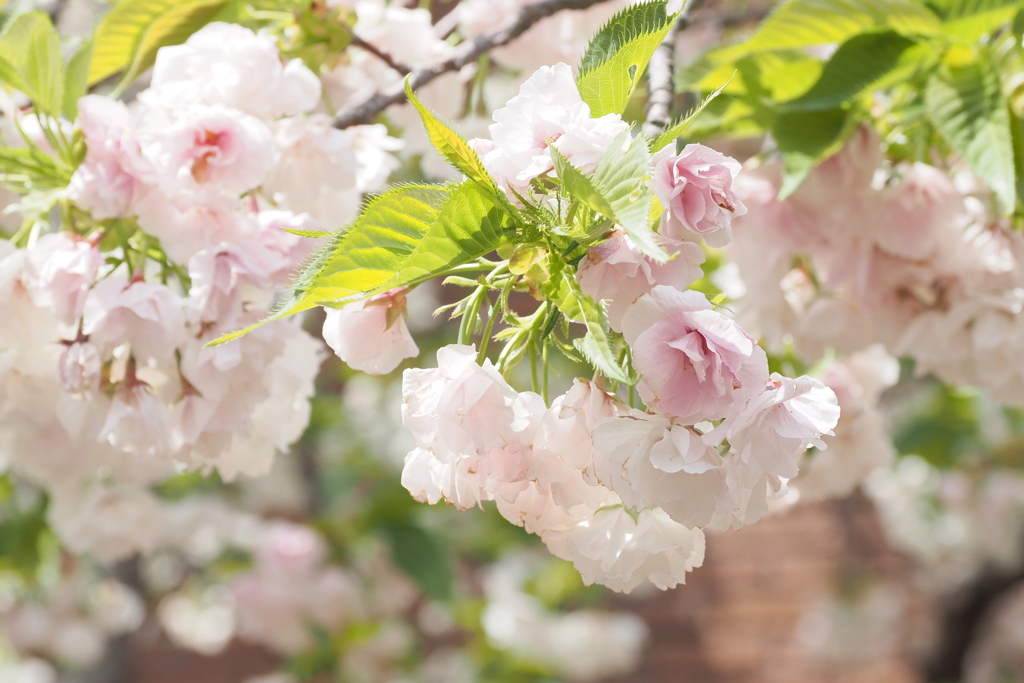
(377,52)
(466,53)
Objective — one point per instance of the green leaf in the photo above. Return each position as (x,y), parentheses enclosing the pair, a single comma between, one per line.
(422,557)
(617,56)
(131,33)
(860,65)
(801,23)
(451,145)
(31,47)
(676,130)
(617,190)
(965,103)
(30,169)
(404,237)
(1017,130)
(576,306)
(970,20)
(76,78)
(367,256)
(468,226)
(805,138)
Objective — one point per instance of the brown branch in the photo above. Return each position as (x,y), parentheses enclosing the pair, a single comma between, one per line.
(467,53)
(378,53)
(962,620)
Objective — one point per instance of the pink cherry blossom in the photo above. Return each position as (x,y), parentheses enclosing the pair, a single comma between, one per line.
(79,369)
(620,551)
(371,335)
(616,272)
(61,269)
(775,427)
(208,148)
(695,363)
(227,280)
(289,549)
(919,213)
(651,463)
(695,190)
(229,65)
(548,111)
(110,180)
(472,430)
(146,315)
(111,524)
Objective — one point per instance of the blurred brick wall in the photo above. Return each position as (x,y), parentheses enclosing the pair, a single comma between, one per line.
(736,620)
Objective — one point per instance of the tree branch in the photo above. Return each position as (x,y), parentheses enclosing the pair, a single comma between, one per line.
(467,53)
(378,53)
(661,90)
(660,77)
(962,619)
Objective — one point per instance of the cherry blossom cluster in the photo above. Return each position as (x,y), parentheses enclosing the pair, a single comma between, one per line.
(184,204)
(622,493)
(908,255)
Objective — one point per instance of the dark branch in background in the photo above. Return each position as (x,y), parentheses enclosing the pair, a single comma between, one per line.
(378,53)
(963,619)
(466,53)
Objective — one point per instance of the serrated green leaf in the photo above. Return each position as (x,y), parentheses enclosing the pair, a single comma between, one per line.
(403,237)
(31,46)
(676,130)
(801,23)
(965,103)
(369,254)
(576,306)
(468,226)
(860,65)
(805,138)
(131,33)
(617,190)
(451,145)
(76,77)
(365,255)
(618,54)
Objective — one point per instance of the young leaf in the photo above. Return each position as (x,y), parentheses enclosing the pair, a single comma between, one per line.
(30,46)
(469,225)
(676,130)
(966,105)
(130,34)
(404,237)
(617,56)
(864,63)
(451,145)
(800,23)
(365,255)
(32,169)
(576,306)
(805,138)
(617,190)
(369,254)
(76,78)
